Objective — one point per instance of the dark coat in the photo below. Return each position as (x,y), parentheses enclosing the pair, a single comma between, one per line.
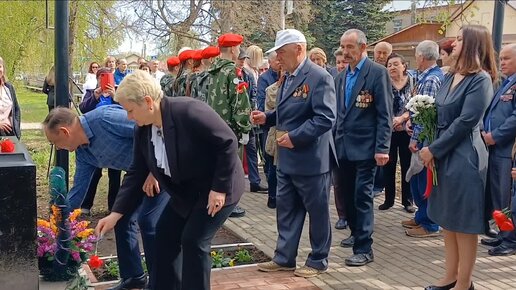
(202,154)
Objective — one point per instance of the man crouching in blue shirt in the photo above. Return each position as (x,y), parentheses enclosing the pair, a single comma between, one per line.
(103,138)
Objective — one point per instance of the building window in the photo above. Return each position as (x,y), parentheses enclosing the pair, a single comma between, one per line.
(397,24)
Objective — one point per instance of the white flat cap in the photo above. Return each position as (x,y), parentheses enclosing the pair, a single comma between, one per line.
(287,36)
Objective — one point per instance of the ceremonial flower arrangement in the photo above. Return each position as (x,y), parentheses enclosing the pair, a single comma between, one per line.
(503,220)
(6,145)
(424,114)
(82,238)
(63,242)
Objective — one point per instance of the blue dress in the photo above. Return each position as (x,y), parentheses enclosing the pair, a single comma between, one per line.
(457,202)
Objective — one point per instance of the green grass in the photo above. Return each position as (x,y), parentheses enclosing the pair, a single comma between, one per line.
(33,105)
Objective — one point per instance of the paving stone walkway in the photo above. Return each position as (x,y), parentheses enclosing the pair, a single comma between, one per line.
(401,262)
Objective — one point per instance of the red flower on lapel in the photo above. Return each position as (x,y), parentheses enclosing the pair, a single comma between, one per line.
(239,72)
(242,87)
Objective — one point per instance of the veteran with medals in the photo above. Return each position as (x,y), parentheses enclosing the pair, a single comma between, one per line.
(362,140)
(304,116)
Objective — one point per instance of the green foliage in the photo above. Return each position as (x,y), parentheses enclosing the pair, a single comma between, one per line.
(367,16)
(220,260)
(112,268)
(77,283)
(243,256)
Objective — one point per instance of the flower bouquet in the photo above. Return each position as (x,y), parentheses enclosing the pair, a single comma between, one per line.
(424,114)
(63,242)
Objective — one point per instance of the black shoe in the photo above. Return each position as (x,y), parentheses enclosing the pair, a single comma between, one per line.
(348,243)
(472,287)
(237,212)
(258,188)
(502,250)
(131,283)
(491,242)
(409,209)
(491,233)
(445,287)
(341,224)
(360,259)
(271,202)
(384,206)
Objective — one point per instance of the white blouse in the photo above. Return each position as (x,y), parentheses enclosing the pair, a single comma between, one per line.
(6,105)
(159,150)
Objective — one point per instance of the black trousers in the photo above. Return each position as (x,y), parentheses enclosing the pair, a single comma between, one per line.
(399,147)
(183,245)
(114,186)
(355,179)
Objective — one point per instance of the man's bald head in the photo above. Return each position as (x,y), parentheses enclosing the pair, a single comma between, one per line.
(382,50)
(508,59)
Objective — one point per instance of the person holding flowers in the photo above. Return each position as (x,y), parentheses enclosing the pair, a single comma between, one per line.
(460,155)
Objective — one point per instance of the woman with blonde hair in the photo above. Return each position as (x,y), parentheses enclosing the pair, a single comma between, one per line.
(318,56)
(48,88)
(255,60)
(10,115)
(459,154)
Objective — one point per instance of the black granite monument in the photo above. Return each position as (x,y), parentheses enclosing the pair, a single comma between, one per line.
(18,261)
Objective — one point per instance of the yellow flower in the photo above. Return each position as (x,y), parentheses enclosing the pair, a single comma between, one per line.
(75,214)
(232,263)
(84,234)
(43,223)
(213,253)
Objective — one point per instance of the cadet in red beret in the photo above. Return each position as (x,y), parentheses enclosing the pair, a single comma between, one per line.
(197,69)
(186,58)
(167,81)
(224,95)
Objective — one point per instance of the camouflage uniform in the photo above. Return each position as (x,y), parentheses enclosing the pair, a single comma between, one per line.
(223,97)
(181,88)
(199,86)
(167,84)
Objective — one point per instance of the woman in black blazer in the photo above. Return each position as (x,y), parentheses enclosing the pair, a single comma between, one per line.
(193,155)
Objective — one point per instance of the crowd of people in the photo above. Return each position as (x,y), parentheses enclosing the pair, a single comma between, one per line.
(182,139)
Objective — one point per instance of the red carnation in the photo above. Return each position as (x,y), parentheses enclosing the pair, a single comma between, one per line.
(95,262)
(239,72)
(6,146)
(241,87)
(503,220)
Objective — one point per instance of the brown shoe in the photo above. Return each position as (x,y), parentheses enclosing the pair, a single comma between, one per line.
(308,272)
(272,266)
(421,232)
(409,224)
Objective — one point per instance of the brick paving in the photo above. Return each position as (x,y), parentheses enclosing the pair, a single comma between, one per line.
(401,262)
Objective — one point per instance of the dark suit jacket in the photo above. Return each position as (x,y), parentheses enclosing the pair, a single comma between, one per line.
(503,122)
(308,121)
(202,155)
(362,132)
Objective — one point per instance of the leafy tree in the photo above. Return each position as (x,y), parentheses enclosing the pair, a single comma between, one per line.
(333,17)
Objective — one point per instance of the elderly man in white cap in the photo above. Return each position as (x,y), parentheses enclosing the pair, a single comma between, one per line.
(304,117)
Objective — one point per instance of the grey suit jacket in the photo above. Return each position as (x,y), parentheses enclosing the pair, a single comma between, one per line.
(361,132)
(308,118)
(503,121)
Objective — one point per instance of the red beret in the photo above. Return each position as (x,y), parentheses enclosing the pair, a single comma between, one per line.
(185,55)
(210,51)
(230,39)
(197,54)
(173,61)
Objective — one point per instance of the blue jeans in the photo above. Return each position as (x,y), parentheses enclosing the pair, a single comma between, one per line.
(126,234)
(417,187)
